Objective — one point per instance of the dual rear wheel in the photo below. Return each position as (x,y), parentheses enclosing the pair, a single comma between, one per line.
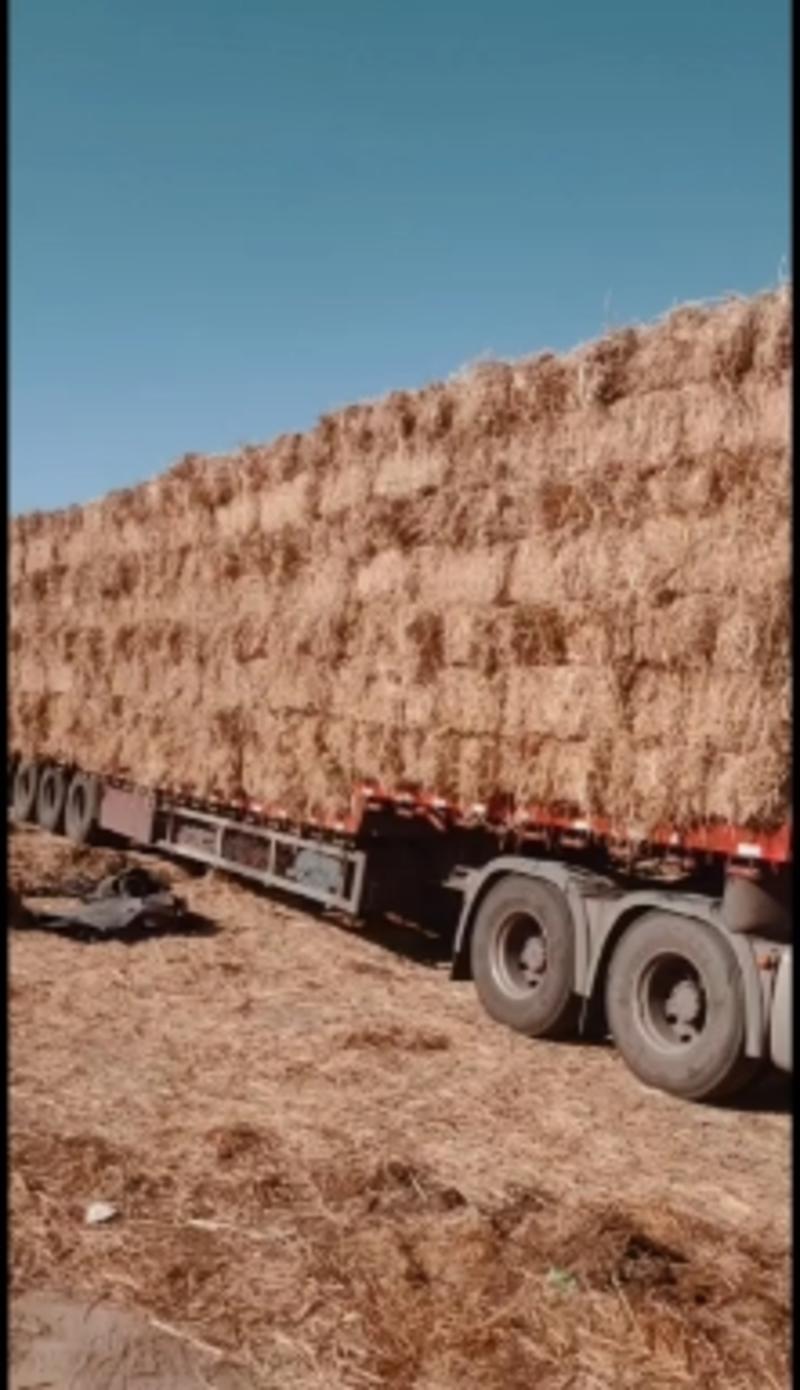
(674,1000)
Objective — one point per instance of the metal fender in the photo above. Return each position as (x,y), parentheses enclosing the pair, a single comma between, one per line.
(566,878)
(781,1020)
(705,913)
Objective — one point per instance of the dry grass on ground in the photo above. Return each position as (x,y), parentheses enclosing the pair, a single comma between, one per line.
(330,1166)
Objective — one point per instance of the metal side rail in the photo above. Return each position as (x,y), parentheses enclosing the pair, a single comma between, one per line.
(330,874)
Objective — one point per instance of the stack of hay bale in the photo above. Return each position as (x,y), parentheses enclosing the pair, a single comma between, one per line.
(565,579)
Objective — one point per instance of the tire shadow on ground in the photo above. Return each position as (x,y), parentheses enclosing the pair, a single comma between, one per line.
(770,1094)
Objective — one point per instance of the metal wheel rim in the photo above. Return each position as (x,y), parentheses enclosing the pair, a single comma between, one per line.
(519,957)
(671,1003)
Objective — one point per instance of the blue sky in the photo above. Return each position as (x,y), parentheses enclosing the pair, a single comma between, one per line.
(229,216)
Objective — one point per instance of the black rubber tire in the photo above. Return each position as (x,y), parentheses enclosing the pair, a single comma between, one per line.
(712,1064)
(51,798)
(519,914)
(80,812)
(26,787)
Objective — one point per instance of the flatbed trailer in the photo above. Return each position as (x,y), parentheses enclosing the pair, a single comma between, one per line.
(678,944)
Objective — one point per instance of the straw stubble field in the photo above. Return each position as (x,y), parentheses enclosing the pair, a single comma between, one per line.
(333,1172)
(565,579)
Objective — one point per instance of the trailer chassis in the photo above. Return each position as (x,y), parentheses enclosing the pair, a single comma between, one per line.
(567,913)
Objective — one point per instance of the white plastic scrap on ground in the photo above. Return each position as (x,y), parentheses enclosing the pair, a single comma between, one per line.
(98,1213)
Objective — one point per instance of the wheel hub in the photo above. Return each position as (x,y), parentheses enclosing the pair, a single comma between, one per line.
(520,955)
(532,959)
(672,1002)
(684,1003)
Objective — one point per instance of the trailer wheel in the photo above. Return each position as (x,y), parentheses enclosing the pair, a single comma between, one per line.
(26,785)
(51,798)
(523,958)
(675,1007)
(80,813)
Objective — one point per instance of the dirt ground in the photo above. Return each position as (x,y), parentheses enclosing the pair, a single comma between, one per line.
(332,1171)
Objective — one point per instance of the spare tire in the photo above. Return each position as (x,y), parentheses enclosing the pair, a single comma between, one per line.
(80,813)
(26,786)
(51,798)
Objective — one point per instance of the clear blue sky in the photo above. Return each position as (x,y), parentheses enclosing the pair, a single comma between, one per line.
(229,216)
